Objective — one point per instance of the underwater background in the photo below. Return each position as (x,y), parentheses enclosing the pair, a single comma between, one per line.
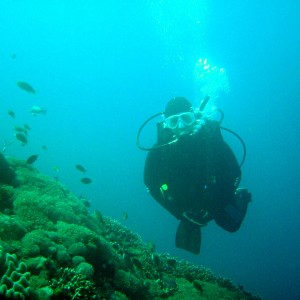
(100,70)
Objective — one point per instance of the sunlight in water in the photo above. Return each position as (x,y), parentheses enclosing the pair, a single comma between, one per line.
(210,80)
(180,24)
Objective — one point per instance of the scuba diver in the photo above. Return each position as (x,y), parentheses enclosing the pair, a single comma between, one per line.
(193,173)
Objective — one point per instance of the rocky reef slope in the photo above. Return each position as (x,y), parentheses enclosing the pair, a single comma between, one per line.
(53,247)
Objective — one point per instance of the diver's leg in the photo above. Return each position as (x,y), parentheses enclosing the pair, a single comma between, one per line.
(232,215)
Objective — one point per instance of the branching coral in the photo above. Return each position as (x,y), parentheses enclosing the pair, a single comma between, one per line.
(73,285)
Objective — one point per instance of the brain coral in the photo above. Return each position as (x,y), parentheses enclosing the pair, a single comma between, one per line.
(15,278)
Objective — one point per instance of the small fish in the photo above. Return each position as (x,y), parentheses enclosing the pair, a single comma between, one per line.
(37,110)
(125,215)
(137,263)
(45,148)
(12,114)
(31,159)
(20,129)
(80,168)
(86,180)
(156,259)
(26,87)
(85,201)
(26,127)
(56,168)
(21,137)
(14,55)
(98,216)
(6,144)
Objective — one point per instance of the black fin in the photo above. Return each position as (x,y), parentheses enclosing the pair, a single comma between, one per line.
(188,237)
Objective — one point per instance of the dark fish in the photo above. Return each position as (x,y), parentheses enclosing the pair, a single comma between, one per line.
(21,137)
(99,217)
(31,159)
(156,259)
(26,87)
(86,180)
(80,168)
(45,147)
(56,168)
(12,114)
(20,129)
(137,263)
(27,127)
(13,56)
(125,215)
(128,261)
(171,262)
(85,201)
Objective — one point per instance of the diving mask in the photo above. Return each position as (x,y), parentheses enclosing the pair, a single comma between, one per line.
(180,120)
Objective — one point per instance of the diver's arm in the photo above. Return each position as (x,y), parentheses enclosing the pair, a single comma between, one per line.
(228,164)
(228,173)
(234,200)
(152,174)
(154,180)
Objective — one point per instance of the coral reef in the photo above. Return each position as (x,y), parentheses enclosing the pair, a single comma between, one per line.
(14,281)
(7,175)
(72,285)
(52,247)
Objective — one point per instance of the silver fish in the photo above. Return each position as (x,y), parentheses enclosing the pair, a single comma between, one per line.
(37,110)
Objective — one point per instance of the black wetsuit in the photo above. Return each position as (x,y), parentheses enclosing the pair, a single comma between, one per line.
(198,172)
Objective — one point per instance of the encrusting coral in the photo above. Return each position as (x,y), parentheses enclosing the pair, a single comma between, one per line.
(54,248)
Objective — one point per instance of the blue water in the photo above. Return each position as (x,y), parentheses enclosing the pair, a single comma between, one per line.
(101,69)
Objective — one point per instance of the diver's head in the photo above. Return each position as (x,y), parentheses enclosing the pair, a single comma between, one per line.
(180,116)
